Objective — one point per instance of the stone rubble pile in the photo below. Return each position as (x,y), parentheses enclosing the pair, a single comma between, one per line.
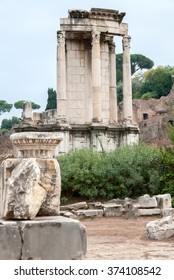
(129,208)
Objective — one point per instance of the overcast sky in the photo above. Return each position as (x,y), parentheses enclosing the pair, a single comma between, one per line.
(28,41)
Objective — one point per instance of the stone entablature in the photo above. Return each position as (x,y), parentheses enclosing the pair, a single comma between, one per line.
(97,13)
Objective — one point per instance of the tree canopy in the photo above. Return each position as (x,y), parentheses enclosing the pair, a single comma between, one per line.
(157,82)
(19,105)
(8,123)
(5,107)
(138,62)
(52,99)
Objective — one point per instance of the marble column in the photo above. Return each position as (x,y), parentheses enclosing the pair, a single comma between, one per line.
(96,78)
(112,86)
(127,84)
(61,76)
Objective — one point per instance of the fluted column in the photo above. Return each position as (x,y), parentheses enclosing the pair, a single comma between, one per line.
(96,77)
(61,76)
(112,86)
(127,84)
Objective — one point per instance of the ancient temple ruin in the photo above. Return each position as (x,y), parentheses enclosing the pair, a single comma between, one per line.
(86,83)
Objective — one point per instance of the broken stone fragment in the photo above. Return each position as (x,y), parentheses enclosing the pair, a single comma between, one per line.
(146,201)
(74,206)
(160,229)
(30,187)
(164,201)
(89,213)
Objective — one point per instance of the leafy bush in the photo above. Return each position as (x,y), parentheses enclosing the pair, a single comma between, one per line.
(127,171)
(167,160)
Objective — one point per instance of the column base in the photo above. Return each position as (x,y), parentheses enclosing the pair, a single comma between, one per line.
(53,238)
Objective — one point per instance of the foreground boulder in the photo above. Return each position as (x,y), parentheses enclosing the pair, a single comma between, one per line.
(160,229)
(30,187)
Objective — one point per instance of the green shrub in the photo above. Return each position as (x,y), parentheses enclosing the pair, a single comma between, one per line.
(128,171)
(167,160)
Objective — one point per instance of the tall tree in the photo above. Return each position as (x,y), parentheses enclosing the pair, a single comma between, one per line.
(52,99)
(138,62)
(5,107)
(19,105)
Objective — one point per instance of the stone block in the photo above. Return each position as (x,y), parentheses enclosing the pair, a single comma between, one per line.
(68,214)
(148,212)
(10,241)
(164,201)
(89,213)
(117,201)
(95,205)
(146,201)
(112,210)
(74,206)
(167,212)
(160,229)
(53,238)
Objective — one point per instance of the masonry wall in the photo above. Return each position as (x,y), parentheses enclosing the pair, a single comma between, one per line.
(78,81)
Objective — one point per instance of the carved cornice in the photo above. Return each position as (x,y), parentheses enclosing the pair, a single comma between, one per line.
(36,144)
(78,13)
(97,13)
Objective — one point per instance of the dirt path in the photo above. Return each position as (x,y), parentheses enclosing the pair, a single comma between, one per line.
(119,238)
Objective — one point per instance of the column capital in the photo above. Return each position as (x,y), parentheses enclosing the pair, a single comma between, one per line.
(126,42)
(95,37)
(61,36)
(112,47)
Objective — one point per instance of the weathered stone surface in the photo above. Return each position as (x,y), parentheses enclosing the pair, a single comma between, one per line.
(164,201)
(148,212)
(29,187)
(53,238)
(24,194)
(111,210)
(160,229)
(74,206)
(56,238)
(95,205)
(68,214)
(10,241)
(117,201)
(167,212)
(36,144)
(89,213)
(51,182)
(146,201)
